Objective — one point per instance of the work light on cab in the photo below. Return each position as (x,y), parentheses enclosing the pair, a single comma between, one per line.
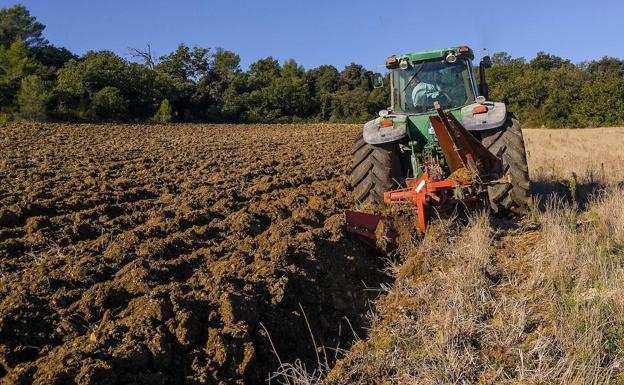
(392,62)
(451,58)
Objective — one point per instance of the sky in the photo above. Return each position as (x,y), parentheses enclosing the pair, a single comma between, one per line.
(316,32)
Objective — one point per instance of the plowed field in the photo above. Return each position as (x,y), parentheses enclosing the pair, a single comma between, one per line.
(170,254)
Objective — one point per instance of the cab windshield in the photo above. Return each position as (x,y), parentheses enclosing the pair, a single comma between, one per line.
(416,88)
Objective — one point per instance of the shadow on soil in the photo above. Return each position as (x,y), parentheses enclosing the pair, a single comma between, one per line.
(330,307)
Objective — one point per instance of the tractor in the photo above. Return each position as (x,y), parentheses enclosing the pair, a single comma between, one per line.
(440,142)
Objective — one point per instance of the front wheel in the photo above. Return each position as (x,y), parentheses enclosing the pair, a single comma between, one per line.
(514,198)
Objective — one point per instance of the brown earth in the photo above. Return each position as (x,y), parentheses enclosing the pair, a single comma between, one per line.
(164,254)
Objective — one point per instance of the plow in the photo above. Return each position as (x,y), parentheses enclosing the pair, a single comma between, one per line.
(441,144)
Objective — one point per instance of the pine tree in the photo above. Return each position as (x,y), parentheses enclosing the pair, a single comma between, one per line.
(32,99)
(164,113)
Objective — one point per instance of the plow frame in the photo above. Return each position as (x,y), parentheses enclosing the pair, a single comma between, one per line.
(423,192)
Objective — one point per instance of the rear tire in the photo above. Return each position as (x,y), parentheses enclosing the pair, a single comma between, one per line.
(375,170)
(514,198)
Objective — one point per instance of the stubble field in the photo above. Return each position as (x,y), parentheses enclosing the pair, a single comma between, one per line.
(197,253)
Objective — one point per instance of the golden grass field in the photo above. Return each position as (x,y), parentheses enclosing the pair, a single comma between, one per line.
(594,154)
(535,302)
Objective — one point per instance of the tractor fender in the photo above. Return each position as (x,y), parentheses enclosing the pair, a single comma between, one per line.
(495,116)
(375,134)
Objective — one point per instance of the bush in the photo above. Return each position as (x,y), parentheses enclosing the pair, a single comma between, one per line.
(164,113)
(32,99)
(109,104)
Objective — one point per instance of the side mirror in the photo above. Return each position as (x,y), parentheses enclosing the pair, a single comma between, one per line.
(486,62)
(377,80)
(484,90)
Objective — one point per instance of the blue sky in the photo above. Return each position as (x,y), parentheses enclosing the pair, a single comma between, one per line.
(335,32)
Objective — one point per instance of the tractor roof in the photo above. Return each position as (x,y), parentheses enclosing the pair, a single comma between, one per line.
(437,53)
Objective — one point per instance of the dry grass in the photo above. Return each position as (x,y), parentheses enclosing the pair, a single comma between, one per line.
(541,302)
(593,156)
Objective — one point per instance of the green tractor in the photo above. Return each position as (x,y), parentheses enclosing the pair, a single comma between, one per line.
(397,145)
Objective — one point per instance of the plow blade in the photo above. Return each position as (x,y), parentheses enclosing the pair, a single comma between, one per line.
(373,227)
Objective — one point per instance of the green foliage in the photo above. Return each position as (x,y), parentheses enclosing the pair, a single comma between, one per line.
(164,113)
(16,24)
(552,92)
(348,106)
(79,81)
(51,56)
(33,98)
(109,104)
(283,96)
(16,63)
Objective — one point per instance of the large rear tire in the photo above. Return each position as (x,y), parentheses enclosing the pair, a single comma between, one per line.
(375,169)
(514,198)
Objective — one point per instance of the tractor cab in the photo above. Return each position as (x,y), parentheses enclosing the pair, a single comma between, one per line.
(419,80)
(446,75)
(415,89)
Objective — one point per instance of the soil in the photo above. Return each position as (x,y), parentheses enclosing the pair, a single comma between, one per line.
(138,254)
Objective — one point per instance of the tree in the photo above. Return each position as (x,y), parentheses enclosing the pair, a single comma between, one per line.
(16,24)
(564,90)
(601,102)
(280,93)
(355,76)
(144,55)
(177,75)
(547,62)
(52,56)
(605,65)
(323,82)
(263,71)
(164,113)
(33,98)
(350,106)
(287,97)
(379,98)
(109,104)
(225,63)
(220,90)
(500,58)
(351,101)
(79,81)
(186,64)
(38,79)
(16,63)
(235,99)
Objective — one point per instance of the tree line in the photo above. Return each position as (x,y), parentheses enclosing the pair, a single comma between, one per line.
(553,92)
(39,81)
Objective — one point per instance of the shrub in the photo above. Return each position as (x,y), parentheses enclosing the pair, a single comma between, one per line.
(109,104)
(33,98)
(164,113)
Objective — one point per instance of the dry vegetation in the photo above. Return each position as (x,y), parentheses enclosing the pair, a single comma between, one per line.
(535,302)
(593,156)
